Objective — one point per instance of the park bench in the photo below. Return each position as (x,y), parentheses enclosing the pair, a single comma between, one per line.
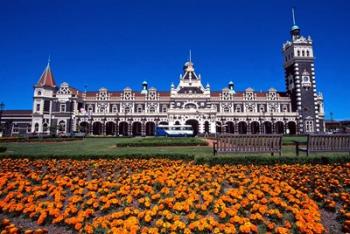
(324,143)
(230,143)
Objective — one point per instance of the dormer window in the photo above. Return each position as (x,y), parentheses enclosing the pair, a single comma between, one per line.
(62,107)
(152,109)
(238,108)
(114,109)
(262,108)
(90,109)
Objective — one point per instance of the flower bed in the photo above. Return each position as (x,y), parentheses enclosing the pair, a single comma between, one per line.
(152,196)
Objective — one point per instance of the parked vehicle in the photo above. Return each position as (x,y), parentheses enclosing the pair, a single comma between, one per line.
(174,130)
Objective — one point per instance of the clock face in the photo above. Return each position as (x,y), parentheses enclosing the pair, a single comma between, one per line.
(306,79)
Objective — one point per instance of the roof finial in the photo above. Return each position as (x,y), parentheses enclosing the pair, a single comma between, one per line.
(293,14)
(49,60)
(190,54)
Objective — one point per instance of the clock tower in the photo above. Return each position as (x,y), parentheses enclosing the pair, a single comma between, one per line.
(301,82)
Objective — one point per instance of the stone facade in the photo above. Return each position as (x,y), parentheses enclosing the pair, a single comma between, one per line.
(298,110)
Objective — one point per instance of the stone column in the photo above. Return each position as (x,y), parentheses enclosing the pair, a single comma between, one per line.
(222,127)
(130,128)
(201,127)
(261,126)
(273,128)
(143,128)
(104,128)
(116,128)
(213,127)
(235,125)
(249,127)
(91,127)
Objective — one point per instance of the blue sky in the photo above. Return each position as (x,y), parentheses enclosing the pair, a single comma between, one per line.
(115,44)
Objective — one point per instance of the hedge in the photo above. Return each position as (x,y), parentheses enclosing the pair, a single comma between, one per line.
(171,156)
(270,160)
(2,149)
(38,139)
(168,141)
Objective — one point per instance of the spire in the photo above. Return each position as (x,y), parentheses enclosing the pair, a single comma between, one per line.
(295,30)
(46,79)
(293,16)
(190,56)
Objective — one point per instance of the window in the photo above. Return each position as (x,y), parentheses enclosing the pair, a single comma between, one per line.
(238,108)
(164,109)
(45,128)
(152,109)
(308,53)
(139,109)
(114,109)
(36,127)
(226,109)
(284,108)
(306,79)
(63,108)
(309,126)
(127,109)
(39,93)
(250,109)
(298,53)
(62,126)
(37,107)
(303,53)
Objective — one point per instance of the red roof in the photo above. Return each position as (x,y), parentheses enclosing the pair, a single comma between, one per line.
(46,79)
(17,113)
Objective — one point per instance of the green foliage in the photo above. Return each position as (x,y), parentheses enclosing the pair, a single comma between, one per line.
(37,139)
(171,156)
(270,160)
(162,141)
(2,149)
(289,140)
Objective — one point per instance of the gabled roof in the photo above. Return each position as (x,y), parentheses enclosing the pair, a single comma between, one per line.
(46,79)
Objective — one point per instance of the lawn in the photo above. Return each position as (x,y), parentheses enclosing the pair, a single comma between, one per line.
(107,148)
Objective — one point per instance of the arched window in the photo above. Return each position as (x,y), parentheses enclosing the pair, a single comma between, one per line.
(62,126)
(303,53)
(298,53)
(45,128)
(226,109)
(36,127)
(308,53)
(152,109)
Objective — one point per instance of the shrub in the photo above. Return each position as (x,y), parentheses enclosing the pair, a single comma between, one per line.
(162,141)
(37,139)
(270,160)
(2,149)
(171,156)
